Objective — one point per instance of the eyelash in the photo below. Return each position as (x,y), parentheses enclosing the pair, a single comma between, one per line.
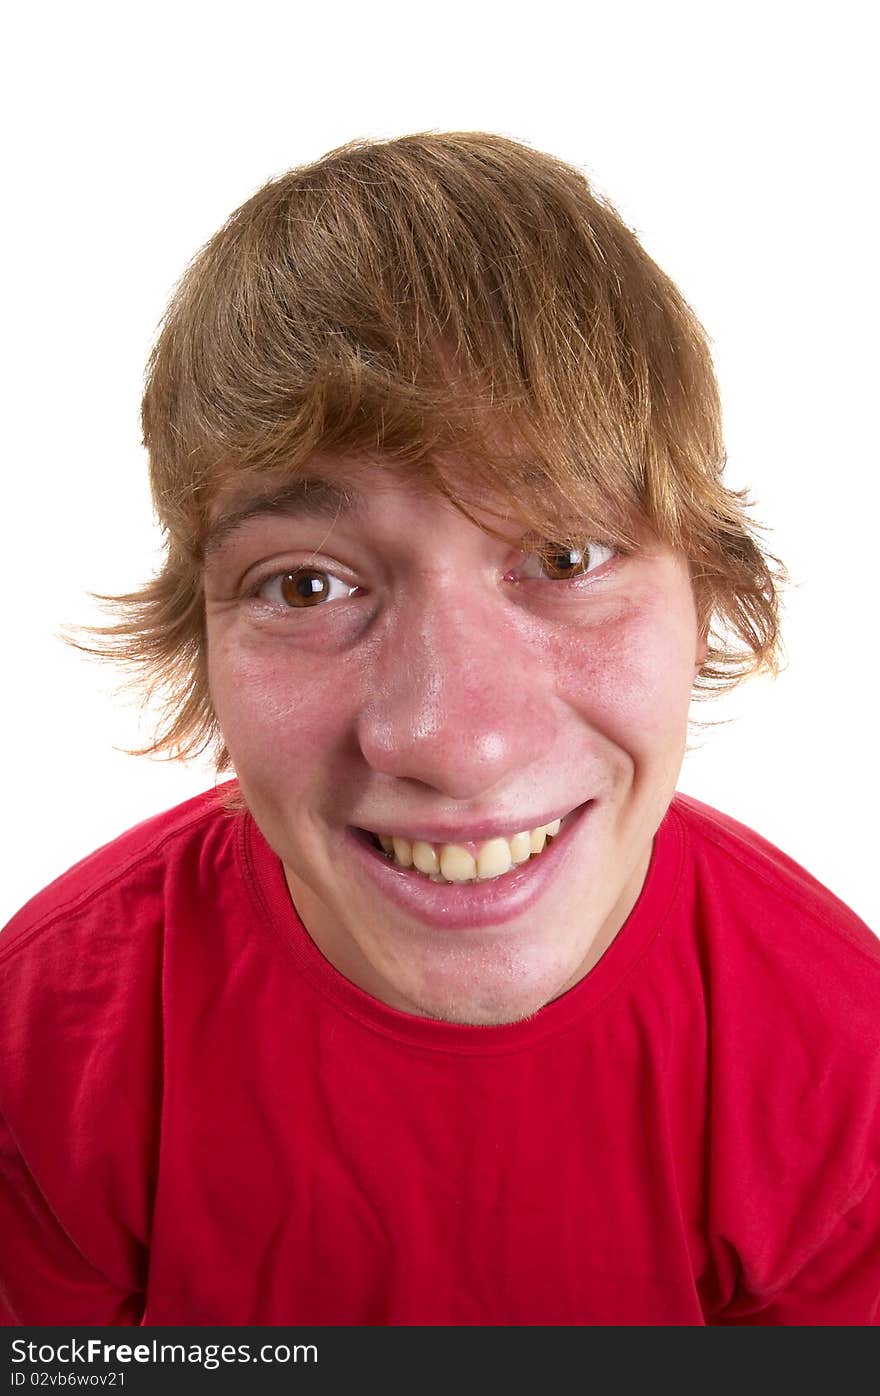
(256,592)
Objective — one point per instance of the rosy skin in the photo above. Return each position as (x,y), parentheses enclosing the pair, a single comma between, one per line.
(457,685)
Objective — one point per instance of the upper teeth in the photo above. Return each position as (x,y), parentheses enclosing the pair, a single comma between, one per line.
(455,862)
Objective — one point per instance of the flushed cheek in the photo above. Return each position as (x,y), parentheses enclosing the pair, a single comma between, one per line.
(274,712)
(630,679)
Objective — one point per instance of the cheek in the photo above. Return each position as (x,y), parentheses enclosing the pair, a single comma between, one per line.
(278,713)
(631,678)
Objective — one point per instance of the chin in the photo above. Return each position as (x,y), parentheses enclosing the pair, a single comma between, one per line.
(509,992)
(483,1016)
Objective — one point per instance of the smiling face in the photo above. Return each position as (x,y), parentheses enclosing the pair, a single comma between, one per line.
(384,669)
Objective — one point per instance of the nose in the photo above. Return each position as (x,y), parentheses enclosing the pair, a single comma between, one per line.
(458,701)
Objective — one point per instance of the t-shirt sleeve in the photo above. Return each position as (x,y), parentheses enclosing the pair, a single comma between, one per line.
(44,1277)
(839,1286)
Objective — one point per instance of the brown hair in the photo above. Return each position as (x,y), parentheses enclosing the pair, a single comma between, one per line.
(438,297)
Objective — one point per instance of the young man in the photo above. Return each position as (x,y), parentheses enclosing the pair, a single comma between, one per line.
(448,1010)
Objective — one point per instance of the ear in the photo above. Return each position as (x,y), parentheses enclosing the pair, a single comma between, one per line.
(702,650)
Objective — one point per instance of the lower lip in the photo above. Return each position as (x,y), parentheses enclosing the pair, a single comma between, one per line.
(462,906)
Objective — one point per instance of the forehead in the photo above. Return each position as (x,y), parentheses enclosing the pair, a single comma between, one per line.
(315,496)
(359,491)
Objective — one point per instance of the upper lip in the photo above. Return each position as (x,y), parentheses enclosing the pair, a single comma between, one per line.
(499,827)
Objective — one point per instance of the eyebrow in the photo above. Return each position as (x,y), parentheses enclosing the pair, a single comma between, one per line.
(313,498)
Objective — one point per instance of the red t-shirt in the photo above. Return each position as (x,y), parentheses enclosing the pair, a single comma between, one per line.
(206,1123)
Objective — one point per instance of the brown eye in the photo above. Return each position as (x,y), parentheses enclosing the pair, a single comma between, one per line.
(551,563)
(304,588)
(568,562)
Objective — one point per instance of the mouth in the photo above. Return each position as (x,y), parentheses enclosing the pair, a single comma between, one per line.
(467,860)
(468,884)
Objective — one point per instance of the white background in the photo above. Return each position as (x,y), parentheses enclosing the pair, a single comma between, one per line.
(739,141)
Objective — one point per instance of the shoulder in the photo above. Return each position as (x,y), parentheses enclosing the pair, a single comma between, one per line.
(791,982)
(130,874)
(85,955)
(745,878)
(82,1035)
(82,966)
(791,990)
